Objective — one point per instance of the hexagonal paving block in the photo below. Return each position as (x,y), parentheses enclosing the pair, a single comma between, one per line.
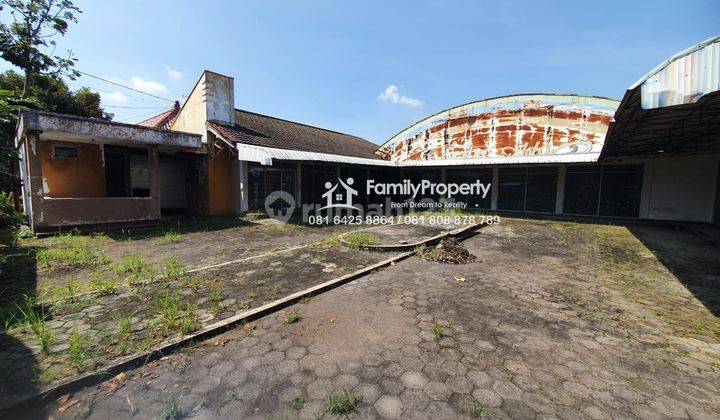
(438,391)
(416,380)
(414,399)
(389,406)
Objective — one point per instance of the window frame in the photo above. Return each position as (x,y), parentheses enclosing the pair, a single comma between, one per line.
(64,146)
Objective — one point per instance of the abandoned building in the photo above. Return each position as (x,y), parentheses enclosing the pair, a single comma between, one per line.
(653,155)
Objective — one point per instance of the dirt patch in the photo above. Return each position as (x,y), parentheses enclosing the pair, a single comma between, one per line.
(449,251)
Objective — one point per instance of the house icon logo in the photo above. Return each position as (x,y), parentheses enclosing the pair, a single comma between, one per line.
(280,205)
(339,195)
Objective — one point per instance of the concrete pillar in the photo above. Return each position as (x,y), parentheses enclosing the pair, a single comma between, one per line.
(495,188)
(298,186)
(34,179)
(560,196)
(154,175)
(646,188)
(241,188)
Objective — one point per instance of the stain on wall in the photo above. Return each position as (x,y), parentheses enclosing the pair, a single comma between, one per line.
(520,125)
(80,177)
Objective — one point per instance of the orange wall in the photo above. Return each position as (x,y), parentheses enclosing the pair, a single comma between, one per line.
(220,198)
(78,178)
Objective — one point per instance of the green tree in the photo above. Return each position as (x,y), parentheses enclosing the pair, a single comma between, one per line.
(27,42)
(53,94)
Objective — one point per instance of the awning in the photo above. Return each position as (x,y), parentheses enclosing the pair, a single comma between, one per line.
(265,156)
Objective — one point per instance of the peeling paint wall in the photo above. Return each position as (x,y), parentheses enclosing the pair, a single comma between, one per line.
(193,114)
(522,125)
(79,177)
(212,98)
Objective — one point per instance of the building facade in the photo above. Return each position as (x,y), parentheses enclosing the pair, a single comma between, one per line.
(653,155)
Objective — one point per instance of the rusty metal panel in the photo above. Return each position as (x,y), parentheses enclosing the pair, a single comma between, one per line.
(684,78)
(507,127)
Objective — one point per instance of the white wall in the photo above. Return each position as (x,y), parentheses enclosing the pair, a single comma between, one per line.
(680,188)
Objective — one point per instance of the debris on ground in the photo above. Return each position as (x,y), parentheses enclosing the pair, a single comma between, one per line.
(449,251)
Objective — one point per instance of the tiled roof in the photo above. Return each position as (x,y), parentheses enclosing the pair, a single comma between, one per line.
(163,120)
(262,130)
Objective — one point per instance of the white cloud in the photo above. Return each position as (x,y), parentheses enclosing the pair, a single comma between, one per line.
(113,97)
(174,74)
(390,94)
(148,85)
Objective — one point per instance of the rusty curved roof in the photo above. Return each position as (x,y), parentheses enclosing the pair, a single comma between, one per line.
(508,127)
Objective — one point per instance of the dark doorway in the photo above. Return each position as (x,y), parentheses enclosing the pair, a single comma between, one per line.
(117,172)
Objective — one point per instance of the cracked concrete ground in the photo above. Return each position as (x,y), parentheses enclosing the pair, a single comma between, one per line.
(553,321)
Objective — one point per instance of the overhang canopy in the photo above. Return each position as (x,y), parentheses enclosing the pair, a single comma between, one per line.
(91,130)
(674,109)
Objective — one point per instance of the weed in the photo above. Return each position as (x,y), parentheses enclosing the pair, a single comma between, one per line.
(190,321)
(71,291)
(274,291)
(329,241)
(298,403)
(293,317)
(78,349)
(124,325)
(243,304)
(215,309)
(134,267)
(478,409)
(342,402)
(103,284)
(173,268)
(171,411)
(359,239)
(215,295)
(35,318)
(437,332)
(169,237)
(176,316)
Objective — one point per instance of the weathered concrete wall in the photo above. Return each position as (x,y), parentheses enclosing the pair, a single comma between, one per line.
(522,125)
(91,211)
(212,98)
(193,113)
(220,97)
(79,177)
(680,188)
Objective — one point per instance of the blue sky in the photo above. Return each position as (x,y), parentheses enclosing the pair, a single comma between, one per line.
(328,63)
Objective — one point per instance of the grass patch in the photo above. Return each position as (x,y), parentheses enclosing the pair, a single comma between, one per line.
(134,268)
(298,403)
(293,317)
(79,346)
(330,241)
(176,315)
(35,318)
(437,332)
(103,284)
(478,409)
(169,237)
(124,323)
(342,402)
(173,268)
(359,239)
(72,250)
(172,411)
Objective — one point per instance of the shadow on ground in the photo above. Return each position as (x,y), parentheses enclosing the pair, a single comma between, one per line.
(692,257)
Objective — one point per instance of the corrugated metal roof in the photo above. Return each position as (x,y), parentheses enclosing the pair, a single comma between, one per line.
(683,78)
